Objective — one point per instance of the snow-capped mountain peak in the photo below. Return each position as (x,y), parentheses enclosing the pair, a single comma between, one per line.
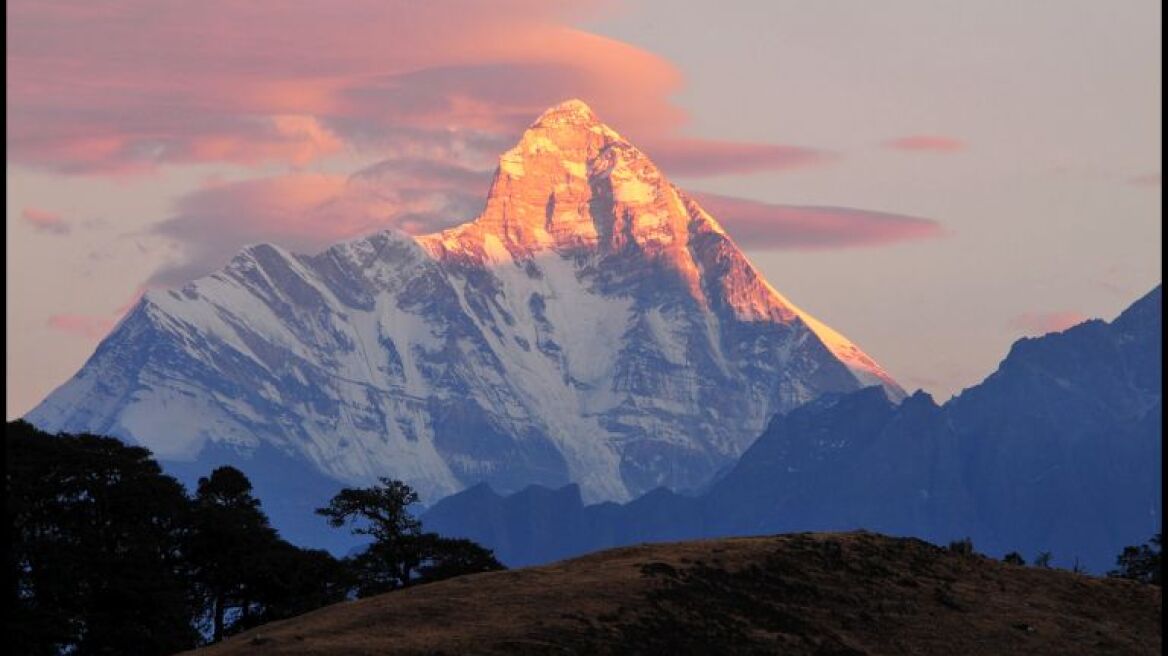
(594,324)
(571,181)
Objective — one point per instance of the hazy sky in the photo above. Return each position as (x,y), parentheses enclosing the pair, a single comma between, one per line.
(932,178)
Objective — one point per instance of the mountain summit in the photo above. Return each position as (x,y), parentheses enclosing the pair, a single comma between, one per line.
(574,183)
(593,325)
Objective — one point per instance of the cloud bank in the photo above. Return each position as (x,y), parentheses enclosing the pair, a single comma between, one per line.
(766,226)
(435,90)
(127,86)
(307,212)
(45,221)
(926,143)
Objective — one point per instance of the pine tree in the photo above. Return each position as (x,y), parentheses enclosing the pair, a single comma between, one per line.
(228,546)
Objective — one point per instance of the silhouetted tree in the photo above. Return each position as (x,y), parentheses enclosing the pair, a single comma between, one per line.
(228,547)
(1140,563)
(381,512)
(1042,559)
(291,581)
(400,550)
(1014,558)
(94,559)
(108,555)
(378,568)
(450,557)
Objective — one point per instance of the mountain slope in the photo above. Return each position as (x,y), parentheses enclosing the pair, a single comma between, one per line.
(790,594)
(594,325)
(1059,450)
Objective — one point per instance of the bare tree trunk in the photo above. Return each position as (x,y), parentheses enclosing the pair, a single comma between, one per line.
(220,602)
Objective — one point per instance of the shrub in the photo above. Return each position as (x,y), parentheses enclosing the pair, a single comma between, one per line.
(1014,558)
(962,547)
(1140,563)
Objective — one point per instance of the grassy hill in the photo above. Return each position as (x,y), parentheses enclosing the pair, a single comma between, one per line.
(826,593)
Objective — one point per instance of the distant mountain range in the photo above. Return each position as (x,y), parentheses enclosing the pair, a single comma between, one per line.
(1059,450)
(593,326)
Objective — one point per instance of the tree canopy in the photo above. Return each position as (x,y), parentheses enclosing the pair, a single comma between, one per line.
(1140,563)
(110,555)
(401,554)
(96,551)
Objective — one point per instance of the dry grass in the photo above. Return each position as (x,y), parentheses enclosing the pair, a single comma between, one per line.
(853,593)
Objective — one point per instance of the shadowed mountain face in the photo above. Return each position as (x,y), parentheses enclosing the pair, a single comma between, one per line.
(789,594)
(1059,450)
(594,325)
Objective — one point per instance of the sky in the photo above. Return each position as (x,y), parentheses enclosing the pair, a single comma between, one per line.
(933,178)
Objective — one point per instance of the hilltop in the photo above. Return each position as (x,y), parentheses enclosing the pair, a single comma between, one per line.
(808,593)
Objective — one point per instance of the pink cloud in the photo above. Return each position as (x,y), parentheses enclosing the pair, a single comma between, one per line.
(754,224)
(94,327)
(307,212)
(125,87)
(292,138)
(701,157)
(926,143)
(45,221)
(1041,323)
(89,327)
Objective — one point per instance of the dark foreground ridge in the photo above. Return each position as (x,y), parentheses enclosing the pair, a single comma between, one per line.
(809,593)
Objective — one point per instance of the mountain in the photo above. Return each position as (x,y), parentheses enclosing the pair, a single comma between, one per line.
(1059,450)
(858,593)
(593,325)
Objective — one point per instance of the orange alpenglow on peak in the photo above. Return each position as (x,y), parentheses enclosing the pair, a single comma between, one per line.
(570,182)
(573,107)
(574,185)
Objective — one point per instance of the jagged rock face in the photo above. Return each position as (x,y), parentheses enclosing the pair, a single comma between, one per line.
(593,325)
